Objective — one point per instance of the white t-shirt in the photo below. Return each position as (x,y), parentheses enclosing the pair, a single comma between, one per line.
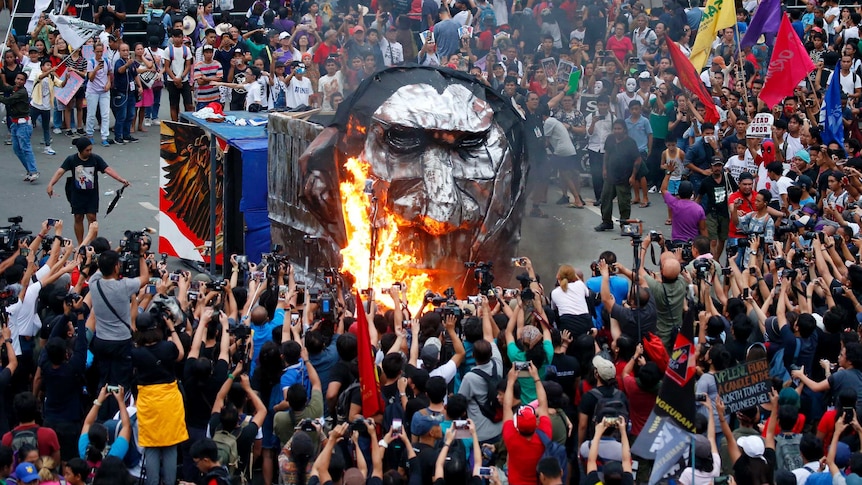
(830,26)
(778,188)
(849,83)
(298,92)
(329,85)
(255,93)
(23,319)
(177,57)
(736,166)
(573,301)
(700,477)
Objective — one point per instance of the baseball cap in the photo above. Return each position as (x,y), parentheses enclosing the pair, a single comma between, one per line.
(26,473)
(702,448)
(604,367)
(283,35)
(525,420)
(751,446)
(716,161)
(803,181)
(356,29)
(645,75)
(719,60)
(745,176)
(422,424)
(207,47)
(279,64)
(238,50)
(33,48)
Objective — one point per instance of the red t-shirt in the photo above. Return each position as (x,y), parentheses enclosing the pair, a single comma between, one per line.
(621,47)
(640,403)
(797,428)
(522,471)
(746,207)
(47,438)
(538,89)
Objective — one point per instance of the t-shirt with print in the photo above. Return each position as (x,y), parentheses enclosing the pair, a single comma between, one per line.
(715,192)
(298,92)
(84,171)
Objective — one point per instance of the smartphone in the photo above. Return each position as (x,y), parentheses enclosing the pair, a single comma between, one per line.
(258,276)
(462,429)
(746,293)
(25,252)
(396,428)
(294,318)
(151,289)
(725,271)
(112,389)
(700,397)
(282,292)
(485,471)
(51,222)
(519,262)
(849,413)
(174,277)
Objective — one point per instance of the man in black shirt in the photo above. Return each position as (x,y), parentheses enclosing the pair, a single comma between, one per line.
(622,160)
(226,417)
(715,190)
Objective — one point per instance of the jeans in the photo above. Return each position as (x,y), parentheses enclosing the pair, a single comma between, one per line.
(162,460)
(123,106)
(21,133)
(44,116)
(58,115)
(153,111)
(100,102)
(190,471)
(623,194)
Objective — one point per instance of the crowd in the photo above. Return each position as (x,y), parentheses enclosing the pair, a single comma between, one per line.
(116,370)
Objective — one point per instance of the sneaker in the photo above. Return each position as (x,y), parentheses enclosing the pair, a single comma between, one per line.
(8,141)
(105,143)
(69,133)
(81,131)
(28,177)
(57,131)
(34,177)
(131,139)
(118,141)
(148,122)
(49,151)
(605,226)
(653,190)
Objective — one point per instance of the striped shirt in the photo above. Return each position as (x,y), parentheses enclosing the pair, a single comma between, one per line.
(207,93)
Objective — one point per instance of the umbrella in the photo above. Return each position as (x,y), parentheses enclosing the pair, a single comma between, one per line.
(116,199)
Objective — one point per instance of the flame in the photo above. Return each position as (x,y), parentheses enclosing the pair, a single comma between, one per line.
(391,264)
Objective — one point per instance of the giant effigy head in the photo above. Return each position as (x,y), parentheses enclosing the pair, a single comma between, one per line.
(422,168)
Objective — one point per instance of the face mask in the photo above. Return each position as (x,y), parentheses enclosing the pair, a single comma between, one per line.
(631,85)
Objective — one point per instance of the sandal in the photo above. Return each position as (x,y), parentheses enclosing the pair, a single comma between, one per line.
(636,201)
(576,206)
(668,222)
(644,206)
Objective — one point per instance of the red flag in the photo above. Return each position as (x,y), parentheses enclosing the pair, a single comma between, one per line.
(790,64)
(372,400)
(689,78)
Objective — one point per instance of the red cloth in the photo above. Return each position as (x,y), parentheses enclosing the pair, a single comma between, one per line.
(797,428)
(369,385)
(827,427)
(322,52)
(621,47)
(790,64)
(538,89)
(690,79)
(640,403)
(47,438)
(528,450)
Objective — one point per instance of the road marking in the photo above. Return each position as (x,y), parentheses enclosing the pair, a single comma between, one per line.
(147,205)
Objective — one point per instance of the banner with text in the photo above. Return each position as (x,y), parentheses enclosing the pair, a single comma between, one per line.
(744,385)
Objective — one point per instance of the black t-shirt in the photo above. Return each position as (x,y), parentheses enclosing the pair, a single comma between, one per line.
(715,194)
(414,406)
(593,479)
(84,171)
(244,437)
(199,396)
(84,9)
(564,370)
(119,6)
(473,480)
(621,156)
(154,364)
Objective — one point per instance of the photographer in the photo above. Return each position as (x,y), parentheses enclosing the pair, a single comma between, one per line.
(161,413)
(533,344)
(227,417)
(202,379)
(636,317)
(111,304)
(757,222)
(262,320)
(303,413)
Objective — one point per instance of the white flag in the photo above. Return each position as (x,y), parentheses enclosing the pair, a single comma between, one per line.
(75,32)
(39,8)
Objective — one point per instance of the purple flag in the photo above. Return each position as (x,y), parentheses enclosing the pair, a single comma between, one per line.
(766,20)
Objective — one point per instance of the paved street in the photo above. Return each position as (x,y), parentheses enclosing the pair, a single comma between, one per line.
(567,236)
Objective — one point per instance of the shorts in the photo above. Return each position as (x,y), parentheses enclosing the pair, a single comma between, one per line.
(563,164)
(643,170)
(146,99)
(717,226)
(84,201)
(673,186)
(174,94)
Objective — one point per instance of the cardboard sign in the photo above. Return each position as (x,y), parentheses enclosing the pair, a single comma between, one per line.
(744,385)
(549,65)
(760,126)
(67,92)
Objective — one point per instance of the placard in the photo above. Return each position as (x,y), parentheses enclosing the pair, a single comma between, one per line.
(564,70)
(744,385)
(760,126)
(587,103)
(549,65)
(67,92)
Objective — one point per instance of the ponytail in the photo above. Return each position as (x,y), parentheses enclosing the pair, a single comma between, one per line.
(93,454)
(564,284)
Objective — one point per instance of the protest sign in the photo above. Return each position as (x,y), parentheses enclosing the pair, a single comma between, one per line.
(67,92)
(761,126)
(744,385)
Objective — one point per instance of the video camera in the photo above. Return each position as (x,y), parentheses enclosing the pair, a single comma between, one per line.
(130,251)
(702,268)
(273,260)
(445,304)
(684,246)
(482,274)
(11,234)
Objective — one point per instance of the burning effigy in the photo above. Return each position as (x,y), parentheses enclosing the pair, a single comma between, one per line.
(420,171)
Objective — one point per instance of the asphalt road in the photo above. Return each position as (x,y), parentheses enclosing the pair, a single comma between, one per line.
(566,236)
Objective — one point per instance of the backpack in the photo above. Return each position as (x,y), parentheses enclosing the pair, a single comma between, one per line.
(156,28)
(25,437)
(487,12)
(554,450)
(613,405)
(393,410)
(787,456)
(342,406)
(221,475)
(490,407)
(228,454)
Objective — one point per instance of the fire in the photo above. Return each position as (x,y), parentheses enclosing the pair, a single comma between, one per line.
(390,264)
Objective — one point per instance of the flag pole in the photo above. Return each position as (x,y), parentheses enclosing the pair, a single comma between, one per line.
(741,62)
(9,29)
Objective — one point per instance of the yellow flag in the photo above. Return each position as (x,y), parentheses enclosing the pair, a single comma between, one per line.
(717,15)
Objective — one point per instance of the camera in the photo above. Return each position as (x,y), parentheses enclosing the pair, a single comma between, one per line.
(654,236)
(687,255)
(217,285)
(130,251)
(482,274)
(11,234)
(633,228)
(242,262)
(358,424)
(241,333)
(306,425)
(520,262)
(521,366)
(702,268)
(475,300)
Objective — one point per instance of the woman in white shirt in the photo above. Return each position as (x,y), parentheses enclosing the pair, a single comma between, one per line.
(707,461)
(570,300)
